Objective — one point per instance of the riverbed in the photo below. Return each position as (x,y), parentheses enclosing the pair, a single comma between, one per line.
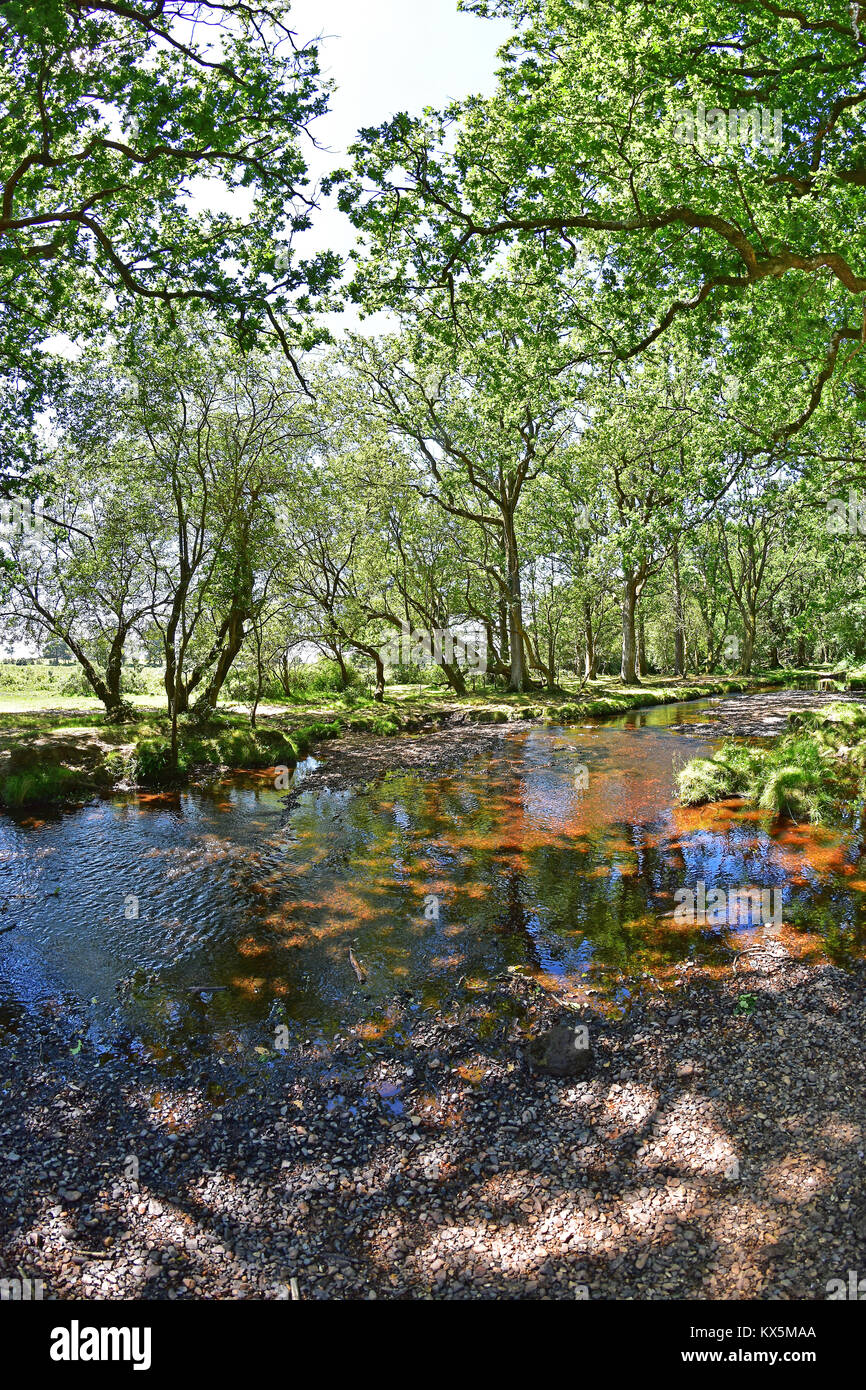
(554,853)
(199,1099)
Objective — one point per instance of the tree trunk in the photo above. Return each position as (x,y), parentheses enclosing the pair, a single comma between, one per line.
(260,675)
(234,641)
(628,669)
(748,651)
(641,648)
(341,662)
(503,631)
(551,660)
(517,665)
(590,654)
(105,689)
(454,677)
(679,623)
(114,669)
(800,658)
(379,689)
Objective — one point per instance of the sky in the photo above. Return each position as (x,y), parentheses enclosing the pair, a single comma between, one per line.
(387,56)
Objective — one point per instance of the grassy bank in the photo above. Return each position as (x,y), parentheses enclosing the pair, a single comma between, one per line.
(816,771)
(62,749)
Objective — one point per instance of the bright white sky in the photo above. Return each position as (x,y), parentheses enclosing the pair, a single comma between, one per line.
(387,56)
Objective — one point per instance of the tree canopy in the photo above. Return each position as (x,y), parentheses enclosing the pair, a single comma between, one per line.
(153,152)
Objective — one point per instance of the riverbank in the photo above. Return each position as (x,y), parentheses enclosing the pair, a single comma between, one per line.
(815,770)
(712,1151)
(63,755)
(352,760)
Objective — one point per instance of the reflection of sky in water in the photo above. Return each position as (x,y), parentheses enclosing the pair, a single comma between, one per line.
(531,869)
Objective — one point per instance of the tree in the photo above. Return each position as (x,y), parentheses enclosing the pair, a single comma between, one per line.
(218,440)
(703,156)
(82,574)
(111,111)
(54,651)
(481,406)
(652,464)
(760,541)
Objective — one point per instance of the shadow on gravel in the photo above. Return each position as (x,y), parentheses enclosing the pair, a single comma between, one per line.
(711,1154)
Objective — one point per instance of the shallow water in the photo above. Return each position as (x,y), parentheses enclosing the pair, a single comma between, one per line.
(558,854)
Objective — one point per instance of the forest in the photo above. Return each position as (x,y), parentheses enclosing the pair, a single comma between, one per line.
(431,567)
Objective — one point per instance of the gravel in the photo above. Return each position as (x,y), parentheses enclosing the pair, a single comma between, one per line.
(714,1150)
(763,715)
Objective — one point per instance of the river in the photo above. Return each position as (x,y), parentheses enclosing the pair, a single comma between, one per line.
(557,854)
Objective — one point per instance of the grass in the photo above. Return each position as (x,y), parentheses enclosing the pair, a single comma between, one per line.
(150,761)
(45,731)
(39,785)
(815,772)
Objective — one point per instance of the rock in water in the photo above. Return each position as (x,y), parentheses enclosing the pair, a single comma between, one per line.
(563,1050)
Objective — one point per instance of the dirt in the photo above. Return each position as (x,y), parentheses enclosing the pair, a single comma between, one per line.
(714,1150)
(355,761)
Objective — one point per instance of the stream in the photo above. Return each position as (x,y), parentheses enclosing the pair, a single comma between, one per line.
(556,854)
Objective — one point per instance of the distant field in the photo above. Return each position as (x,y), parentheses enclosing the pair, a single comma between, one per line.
(18,703)
(43,686)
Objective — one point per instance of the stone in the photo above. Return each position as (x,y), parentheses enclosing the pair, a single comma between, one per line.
(561,1051)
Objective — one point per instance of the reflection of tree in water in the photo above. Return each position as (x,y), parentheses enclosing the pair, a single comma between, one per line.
(523,868)
(515,889)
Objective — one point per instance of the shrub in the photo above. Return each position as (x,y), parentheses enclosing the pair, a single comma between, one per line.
(317,678)
(76,683)
(31,679)
(410,673)
(142,680)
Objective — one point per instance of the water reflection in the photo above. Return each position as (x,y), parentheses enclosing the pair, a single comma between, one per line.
(211,910)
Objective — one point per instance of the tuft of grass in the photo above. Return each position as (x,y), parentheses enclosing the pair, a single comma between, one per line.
(812,773)
(730,772)
(786,791)
(40,786)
